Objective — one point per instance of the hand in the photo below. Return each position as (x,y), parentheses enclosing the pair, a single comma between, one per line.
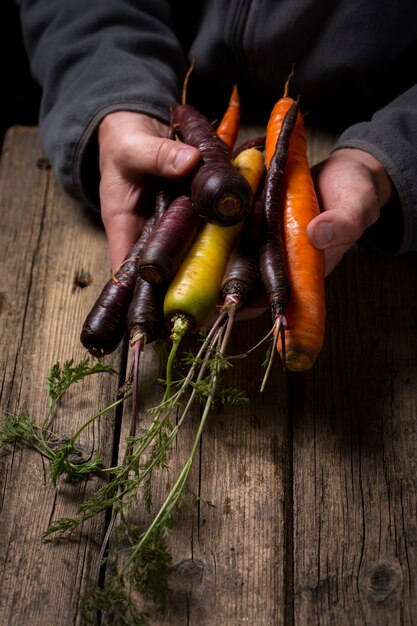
(132,147)
(351,187)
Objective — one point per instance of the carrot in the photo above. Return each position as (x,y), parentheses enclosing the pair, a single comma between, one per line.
(145,323)
(272,259)
(306,311)
(145,317)
(251,165)
(105,324)
(242,279)
(253,142)
(192,296)
(172,237)
(195,289)
(241,284)
(193,293)
(218,191)
(169,241)
(229,125)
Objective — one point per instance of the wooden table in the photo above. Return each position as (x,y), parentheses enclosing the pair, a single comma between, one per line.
(313,482)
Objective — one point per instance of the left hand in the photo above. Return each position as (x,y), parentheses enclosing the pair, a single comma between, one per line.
(352,187)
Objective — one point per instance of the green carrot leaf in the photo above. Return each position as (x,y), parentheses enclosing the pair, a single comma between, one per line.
(60,378)
(18,428)
(62,465)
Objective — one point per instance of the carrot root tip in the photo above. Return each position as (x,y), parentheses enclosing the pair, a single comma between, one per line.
(232,301)
(137,336)
(297,361)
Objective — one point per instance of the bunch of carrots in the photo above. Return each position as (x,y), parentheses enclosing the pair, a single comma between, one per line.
(210,246)
(210,242)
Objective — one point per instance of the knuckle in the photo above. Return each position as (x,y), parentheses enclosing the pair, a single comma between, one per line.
(125,148)
(148,157)
(164,155)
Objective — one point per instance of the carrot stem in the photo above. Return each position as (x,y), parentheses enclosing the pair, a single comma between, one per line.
(179,328)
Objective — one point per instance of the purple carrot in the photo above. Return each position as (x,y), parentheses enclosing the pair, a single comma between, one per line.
(169,241)
(272,258)
(105,324)
(218,191)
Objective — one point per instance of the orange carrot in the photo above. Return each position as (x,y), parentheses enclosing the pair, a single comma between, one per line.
(230,123)
(306,311)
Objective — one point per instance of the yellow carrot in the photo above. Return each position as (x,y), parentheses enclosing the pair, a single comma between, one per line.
(251,164)
(194,291)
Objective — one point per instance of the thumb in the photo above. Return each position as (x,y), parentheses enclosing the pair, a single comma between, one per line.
(134,144)
(168,158)
(156,156)
(336,231)
(341,226)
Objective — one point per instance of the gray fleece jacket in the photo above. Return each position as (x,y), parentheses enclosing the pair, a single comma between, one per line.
(354,60)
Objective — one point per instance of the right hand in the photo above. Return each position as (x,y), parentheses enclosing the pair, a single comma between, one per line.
(133,147)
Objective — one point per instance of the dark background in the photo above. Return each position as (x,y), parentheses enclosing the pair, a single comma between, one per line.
(20,95)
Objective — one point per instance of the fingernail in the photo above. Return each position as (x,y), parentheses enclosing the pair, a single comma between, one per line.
(182,157)
(323,233)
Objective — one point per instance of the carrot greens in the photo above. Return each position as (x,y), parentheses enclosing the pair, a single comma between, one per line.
(144,567)
(131,481)
(64,455)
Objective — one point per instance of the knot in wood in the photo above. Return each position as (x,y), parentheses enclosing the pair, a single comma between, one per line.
(382,579)
(190,570)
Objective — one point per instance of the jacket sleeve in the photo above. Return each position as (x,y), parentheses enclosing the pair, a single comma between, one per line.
(391,137)
(92,57)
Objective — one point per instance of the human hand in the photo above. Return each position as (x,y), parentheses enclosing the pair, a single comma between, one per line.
(133,147)
(351,187)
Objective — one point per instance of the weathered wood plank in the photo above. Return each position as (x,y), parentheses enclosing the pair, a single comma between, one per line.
(46,239)
(232,562)
(245,471)
(313,484)
(354,452)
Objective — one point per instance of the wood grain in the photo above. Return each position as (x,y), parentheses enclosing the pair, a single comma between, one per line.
(46,239)
(354,452)
(312,483)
